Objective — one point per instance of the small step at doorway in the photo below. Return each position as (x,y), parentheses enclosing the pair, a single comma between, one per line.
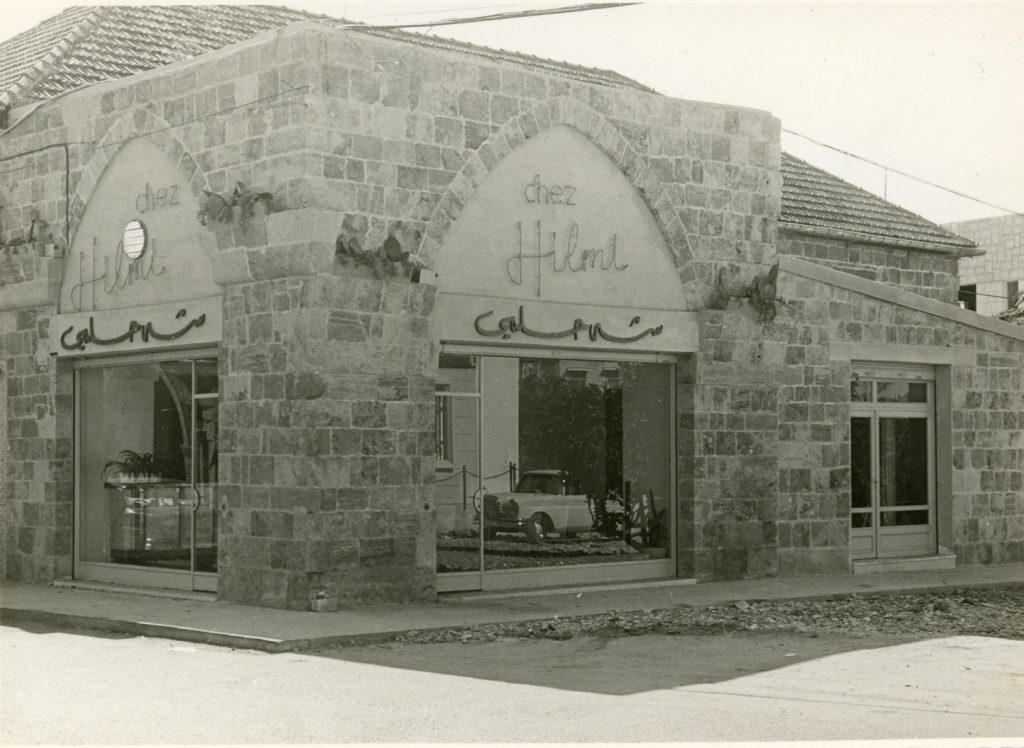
(935,562)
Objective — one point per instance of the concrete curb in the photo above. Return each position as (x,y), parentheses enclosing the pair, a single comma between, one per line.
(14,616)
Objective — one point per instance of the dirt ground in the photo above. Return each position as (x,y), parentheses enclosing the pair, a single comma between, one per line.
(629,652)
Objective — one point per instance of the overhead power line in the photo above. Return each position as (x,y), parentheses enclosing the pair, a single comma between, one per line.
(903,173)
(440,10)
(491,17)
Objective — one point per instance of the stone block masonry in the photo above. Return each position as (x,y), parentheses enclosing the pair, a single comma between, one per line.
(327,442)
(772,439)
(926,273)
(37,472)
(327,368)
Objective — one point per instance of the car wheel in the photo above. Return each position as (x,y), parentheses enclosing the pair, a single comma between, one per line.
(538,528)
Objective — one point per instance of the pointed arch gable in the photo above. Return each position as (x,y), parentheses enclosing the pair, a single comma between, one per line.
(607,142)
(136,124)
(138,172)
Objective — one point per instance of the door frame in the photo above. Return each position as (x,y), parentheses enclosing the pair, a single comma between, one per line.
(128,574)
(875,411)
(621,571)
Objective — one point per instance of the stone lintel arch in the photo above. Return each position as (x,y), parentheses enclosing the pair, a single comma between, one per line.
(138,123)
(576,114)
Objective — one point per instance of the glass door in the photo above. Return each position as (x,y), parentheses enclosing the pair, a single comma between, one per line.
(892,507)
(147,472)
(458,488)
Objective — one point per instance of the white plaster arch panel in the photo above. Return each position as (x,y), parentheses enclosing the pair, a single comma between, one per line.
(152,179)
(557,220)
(618,202)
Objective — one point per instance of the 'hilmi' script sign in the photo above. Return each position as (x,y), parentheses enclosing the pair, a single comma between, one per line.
(561,253)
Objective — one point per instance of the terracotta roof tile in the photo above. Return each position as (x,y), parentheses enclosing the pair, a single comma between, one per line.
(813,197)
(124,40)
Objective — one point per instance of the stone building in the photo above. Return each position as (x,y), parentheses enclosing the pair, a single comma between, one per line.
(325,314)
(992,282)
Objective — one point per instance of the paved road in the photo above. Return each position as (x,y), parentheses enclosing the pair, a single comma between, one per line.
(59,688)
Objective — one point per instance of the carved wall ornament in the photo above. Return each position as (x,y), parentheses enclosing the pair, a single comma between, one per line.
(760,293)
(385,261)
(239,207)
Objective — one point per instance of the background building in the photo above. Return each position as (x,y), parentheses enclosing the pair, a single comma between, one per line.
(992,282)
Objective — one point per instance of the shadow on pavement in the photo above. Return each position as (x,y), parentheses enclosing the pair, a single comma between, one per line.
(618,665)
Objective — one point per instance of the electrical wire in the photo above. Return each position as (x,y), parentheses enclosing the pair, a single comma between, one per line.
(987,295)
(490,17)
(903,173)
(439,10)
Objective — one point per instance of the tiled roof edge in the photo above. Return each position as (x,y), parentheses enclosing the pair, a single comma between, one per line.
(965,249)
(963,242)
(41,69)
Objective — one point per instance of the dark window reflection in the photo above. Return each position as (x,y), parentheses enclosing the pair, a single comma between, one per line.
(903,461)
(860,461)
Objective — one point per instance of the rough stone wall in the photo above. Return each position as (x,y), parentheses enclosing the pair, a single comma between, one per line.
(327,441)
(1002,238)
(37,470)
(925,273)
(772,433)
(735,472)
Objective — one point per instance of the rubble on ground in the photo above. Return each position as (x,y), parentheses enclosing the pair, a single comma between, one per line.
(996,612)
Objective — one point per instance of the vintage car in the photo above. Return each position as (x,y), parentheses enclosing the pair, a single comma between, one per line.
(543,503)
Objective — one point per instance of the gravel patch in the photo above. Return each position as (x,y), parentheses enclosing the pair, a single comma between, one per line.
(995,612)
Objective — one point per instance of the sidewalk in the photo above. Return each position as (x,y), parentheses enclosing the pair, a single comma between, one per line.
(200,619)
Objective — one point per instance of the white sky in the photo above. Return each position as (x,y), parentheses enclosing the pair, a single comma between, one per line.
(932,89)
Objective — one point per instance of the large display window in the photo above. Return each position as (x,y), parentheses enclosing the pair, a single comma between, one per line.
(147,471)
(553,464)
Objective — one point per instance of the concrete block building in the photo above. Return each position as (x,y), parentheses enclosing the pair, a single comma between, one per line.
(306,314)
(992,283)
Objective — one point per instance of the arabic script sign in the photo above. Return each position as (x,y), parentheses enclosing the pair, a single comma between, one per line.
(509,326)
(139,329)
(495,321)
(87,335)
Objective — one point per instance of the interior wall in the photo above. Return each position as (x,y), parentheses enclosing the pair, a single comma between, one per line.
(499,389)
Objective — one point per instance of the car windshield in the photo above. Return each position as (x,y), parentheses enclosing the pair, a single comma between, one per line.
(540,483)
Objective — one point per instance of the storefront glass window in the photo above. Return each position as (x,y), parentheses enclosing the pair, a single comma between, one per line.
(148,465)
(574,464)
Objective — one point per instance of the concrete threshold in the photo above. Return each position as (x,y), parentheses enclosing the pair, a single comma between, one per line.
(78,584)
(935,562)
(542,591)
